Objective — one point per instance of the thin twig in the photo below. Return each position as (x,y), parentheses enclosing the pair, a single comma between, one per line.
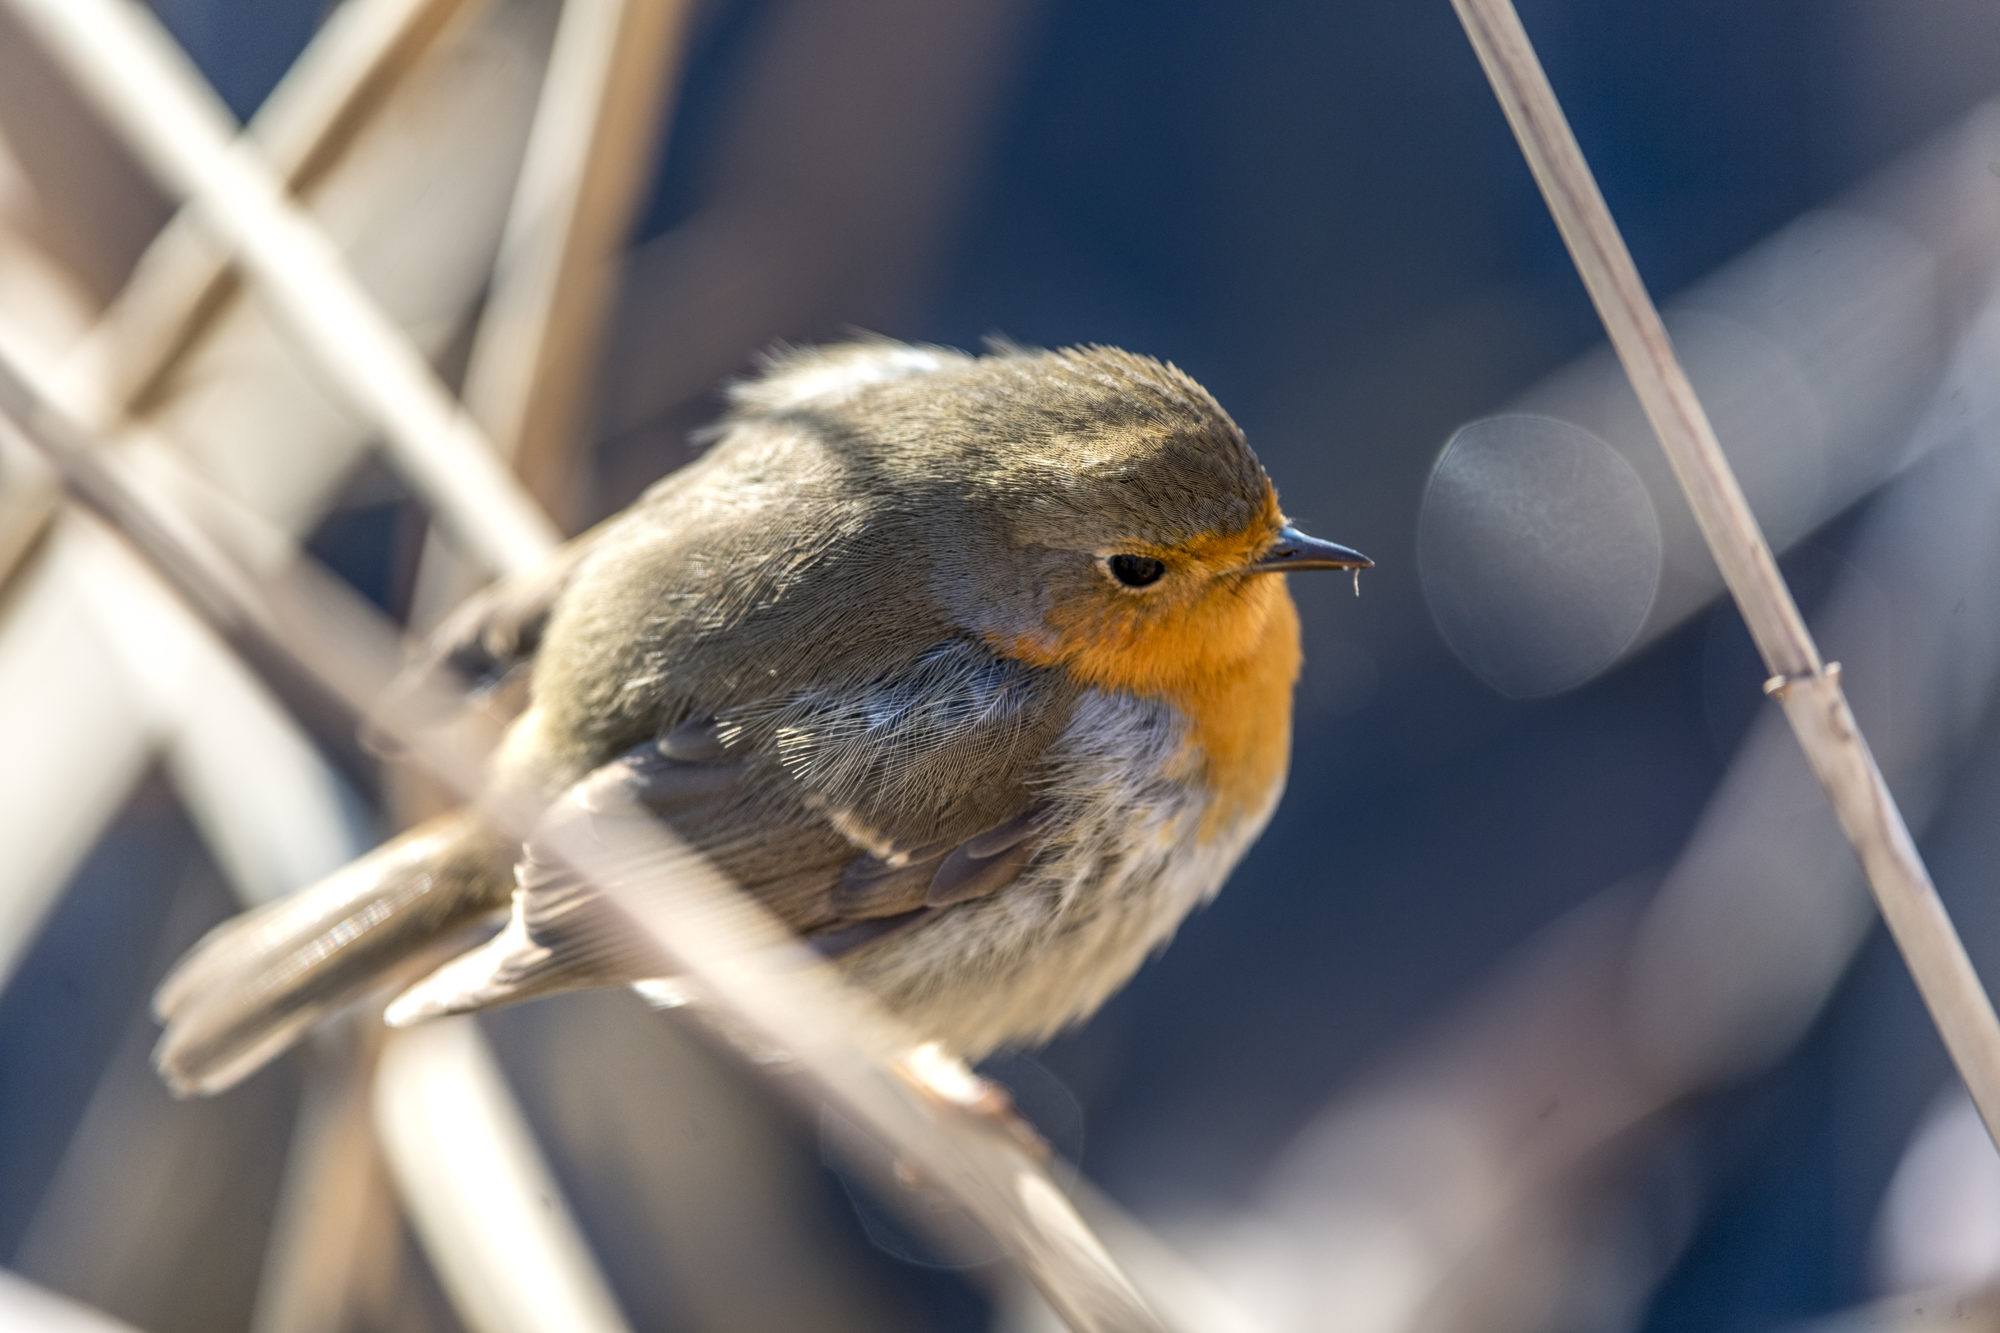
(325,99)
(442,1108)
(319,1263)
(144,85)
(144,621)
(459,1148)
(181,279)
(596,125)
(768,992)
(1809,690)
(332,1260)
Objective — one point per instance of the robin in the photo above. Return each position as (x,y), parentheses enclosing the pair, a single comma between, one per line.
(976,671)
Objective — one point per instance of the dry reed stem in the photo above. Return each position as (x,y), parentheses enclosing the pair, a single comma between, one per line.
(470,1174)
(560,1274)
(1950,1310)
(768,992)
(179,282)
(144,85)
(315,1268)
(585,158)
(1809,690)
(325,99)
(28,500)
(333,1257)
(596,124)
(589,154)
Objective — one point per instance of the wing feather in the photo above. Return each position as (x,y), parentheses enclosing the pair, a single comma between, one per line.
(849,814)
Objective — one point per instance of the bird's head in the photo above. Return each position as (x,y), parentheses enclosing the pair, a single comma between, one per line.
(1087,507)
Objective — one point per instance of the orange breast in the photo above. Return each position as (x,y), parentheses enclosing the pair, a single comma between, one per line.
(1242,718)
(1227,663)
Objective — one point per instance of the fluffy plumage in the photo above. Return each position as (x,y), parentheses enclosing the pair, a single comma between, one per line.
(868,654)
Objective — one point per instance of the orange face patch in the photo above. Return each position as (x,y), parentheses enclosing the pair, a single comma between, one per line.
(1219,643)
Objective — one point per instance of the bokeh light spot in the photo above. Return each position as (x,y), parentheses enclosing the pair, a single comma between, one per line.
(1539,552)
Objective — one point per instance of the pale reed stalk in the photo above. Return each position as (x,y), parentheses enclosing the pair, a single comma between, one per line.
(129,68)
(1808,688)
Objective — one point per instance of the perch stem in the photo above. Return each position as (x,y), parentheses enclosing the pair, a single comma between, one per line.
(1808,689)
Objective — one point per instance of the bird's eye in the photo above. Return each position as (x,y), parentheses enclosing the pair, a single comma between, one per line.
(1136,571)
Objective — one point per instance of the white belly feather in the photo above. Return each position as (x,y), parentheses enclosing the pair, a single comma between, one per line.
(1126,861)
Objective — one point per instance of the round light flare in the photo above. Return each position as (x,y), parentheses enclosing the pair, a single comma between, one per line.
(1538,549)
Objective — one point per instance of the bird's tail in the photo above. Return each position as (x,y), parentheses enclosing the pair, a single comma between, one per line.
(254,984)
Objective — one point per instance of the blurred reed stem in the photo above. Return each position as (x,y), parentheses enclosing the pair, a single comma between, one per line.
(328,96)
(597,123)
(334,1258)
(1808,689)
(180,281)
(129,68)
(472,1177)
(442,1105)
(589,156)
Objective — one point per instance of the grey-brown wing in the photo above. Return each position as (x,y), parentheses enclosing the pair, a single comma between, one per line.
(848,814)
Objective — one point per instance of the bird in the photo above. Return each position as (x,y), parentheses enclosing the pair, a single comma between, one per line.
(974,669)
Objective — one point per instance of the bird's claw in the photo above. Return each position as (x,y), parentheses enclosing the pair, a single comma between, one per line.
(947,1082)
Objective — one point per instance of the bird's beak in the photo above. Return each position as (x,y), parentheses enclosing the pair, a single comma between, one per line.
(1295,550)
